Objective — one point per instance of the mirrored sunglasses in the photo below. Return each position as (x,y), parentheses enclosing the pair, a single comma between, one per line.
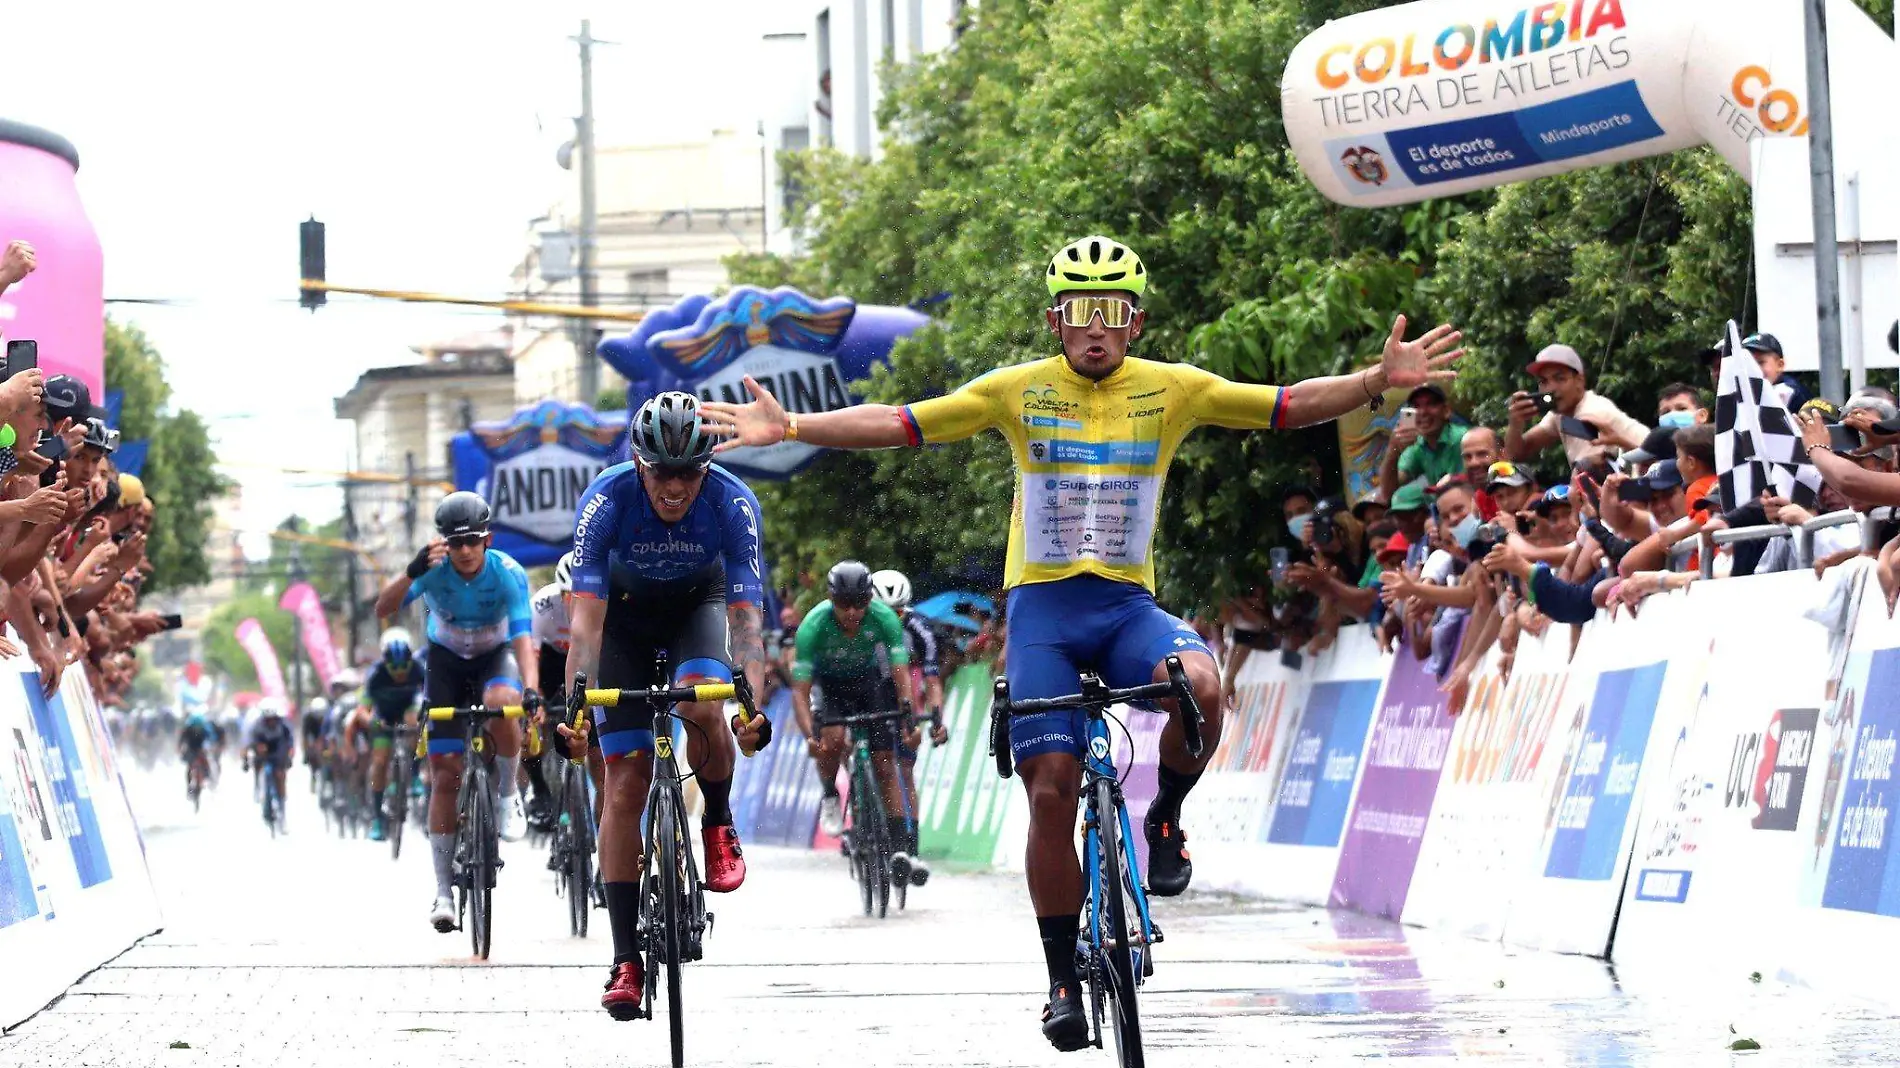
(1116,312)
(466,541)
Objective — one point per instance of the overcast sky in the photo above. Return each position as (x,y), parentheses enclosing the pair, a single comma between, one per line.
(422,134)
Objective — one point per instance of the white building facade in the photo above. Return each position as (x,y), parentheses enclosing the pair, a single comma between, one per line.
(826,94)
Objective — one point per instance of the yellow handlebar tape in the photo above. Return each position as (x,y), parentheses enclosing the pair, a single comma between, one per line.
(510,712)
(714,691)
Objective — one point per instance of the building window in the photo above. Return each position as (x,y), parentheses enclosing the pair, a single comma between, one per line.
(647,286)
(792,139)
(822,105)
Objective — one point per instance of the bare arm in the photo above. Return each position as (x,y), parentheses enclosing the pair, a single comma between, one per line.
(801,706)
(745,623)
(765,422)
(588,616)
(527,658)
(1404,364)
(389,601)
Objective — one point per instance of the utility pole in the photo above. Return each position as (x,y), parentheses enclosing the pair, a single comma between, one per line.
(296,574)
(765,192)
(1827,257)
(584,332)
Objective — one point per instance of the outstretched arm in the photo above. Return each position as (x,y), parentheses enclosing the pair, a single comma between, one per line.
(1405,364)
(764,422)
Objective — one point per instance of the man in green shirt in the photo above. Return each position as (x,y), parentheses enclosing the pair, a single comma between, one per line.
(1427,450)
(838,648)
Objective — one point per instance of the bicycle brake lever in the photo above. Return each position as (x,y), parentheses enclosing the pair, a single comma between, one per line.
(1191,718)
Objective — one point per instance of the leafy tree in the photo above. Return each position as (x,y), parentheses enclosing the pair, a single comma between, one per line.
(180,471)
(222,651)
(1155,121)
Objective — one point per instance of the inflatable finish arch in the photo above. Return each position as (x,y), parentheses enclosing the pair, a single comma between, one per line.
(1442,97)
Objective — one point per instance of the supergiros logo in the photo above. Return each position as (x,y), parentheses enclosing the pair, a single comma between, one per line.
(1529,30)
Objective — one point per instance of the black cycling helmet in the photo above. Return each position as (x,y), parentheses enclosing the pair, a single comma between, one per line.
(461,512)
(668,431)
(849,581)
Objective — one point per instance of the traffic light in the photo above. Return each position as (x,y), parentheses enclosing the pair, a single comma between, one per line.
(310,256)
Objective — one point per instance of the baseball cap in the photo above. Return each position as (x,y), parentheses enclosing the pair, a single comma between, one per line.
(1397,544)
(1663,477)
(1359,510)
(1659,445)
(1409,498)
(1762,343)
(131,491)
(1432,388)
(1557,356)
(1505,473)
(1449,482)
(1553,496)
(67,398)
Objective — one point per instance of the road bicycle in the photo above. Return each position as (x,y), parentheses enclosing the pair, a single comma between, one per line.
(1113,947)
(571,846)
(477,841)
(870,846)
(673,917)
(402,772)
(273,798)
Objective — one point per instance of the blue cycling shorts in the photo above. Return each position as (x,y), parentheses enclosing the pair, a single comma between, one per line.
(1057,630)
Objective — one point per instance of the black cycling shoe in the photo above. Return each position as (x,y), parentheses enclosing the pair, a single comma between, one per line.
(1063,1023)
(1169,869)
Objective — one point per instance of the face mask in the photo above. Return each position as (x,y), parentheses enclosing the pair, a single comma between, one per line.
(1466,530)
(1675,420)
(1298,524)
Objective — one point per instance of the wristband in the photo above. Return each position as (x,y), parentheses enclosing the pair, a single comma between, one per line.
(791,427)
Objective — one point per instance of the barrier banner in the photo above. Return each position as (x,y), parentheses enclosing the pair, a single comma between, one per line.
(1409,741)
(752,779)
(74,889)
(1322,713)
(1777,801)
(1639,674)
(301,600)
(961,798)
(1489,815)
(788,814)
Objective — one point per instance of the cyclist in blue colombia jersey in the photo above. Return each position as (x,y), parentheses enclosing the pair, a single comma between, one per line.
(479,651)
(666,556)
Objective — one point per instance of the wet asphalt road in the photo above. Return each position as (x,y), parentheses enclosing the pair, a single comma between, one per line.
(310,950)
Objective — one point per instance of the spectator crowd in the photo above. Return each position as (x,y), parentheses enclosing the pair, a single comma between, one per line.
(73,528)
(1474,536)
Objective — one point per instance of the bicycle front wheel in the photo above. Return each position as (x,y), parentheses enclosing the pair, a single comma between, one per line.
(668,940)
(580,860)
(481,867)
(396,804)
(1114,935)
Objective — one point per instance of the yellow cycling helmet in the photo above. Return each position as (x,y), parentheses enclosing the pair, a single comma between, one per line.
(1096,263)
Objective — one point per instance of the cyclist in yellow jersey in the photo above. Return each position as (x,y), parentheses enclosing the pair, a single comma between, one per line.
(1093,431)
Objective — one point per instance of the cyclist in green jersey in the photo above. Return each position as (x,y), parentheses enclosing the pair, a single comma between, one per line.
(837,648)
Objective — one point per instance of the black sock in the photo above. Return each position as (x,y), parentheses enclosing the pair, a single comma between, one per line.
(899,834)
(1172,789)
(537,779)
(718,797)
(828,788)
(1058,945)
(623,915)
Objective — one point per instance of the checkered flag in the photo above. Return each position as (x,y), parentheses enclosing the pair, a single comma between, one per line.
(1757,445)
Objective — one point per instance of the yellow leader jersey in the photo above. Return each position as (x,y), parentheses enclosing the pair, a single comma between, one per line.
(1091,456)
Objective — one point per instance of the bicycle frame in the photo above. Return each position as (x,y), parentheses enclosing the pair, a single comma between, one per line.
(1099,768)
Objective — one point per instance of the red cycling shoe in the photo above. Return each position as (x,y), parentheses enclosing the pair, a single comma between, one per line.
(624,993)
(725,863)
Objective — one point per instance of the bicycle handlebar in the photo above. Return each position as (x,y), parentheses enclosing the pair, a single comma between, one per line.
(711,691)
(866,719)
(1032,705)
(507,711)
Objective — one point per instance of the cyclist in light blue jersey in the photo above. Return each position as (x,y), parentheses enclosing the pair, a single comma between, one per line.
(479,651)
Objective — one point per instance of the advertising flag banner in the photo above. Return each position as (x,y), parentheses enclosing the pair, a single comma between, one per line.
(270,679)
(301,600)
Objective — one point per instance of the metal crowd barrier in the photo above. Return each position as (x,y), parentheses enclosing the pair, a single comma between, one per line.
(1803,535)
